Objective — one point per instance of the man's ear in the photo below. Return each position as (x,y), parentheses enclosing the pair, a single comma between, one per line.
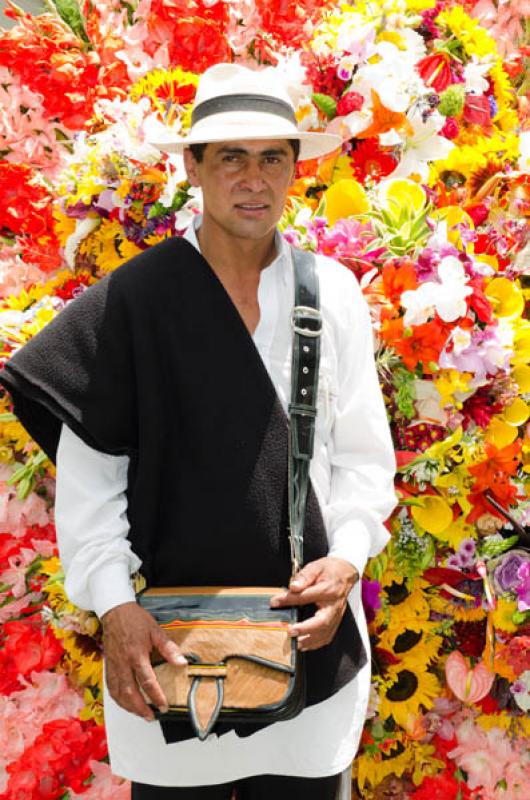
(190,166)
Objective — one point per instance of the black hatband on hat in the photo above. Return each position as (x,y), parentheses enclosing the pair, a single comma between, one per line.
(243,102)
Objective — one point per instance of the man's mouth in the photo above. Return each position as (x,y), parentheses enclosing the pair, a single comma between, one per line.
(252,206)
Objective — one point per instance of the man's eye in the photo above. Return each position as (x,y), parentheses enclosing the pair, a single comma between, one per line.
(272,160)
(231,158)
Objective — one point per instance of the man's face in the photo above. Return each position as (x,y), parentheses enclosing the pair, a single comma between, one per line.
(244,184)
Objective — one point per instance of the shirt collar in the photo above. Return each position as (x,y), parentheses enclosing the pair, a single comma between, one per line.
(282,262)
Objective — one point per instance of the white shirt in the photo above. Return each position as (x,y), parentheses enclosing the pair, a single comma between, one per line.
(352,474)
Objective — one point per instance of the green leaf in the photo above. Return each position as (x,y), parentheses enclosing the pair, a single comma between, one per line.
(326,104)
(70,13)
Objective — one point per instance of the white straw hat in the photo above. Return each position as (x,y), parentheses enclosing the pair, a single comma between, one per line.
(233,102)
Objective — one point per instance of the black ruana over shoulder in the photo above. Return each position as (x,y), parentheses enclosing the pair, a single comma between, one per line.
(155,362)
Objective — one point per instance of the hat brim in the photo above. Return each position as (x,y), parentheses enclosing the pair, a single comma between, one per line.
(312,145)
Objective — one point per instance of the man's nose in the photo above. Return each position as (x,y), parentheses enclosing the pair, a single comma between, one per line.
(254,177)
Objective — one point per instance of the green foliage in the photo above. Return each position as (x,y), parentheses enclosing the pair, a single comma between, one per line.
(326,104)
(403,382)
(69,12)
(25,476)
(452,101)
(412,554)
(493,546)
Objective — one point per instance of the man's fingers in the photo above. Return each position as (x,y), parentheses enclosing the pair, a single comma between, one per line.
(148,683)
(167,649)
(316,593)
(124,690)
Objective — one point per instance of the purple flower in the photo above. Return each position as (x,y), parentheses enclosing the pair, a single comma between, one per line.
(371,591)
(523,587)
(506,573)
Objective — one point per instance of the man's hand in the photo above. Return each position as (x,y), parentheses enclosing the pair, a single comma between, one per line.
(327,583)
(129,635)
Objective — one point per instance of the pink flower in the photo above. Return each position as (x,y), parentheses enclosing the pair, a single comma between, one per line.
(482,754)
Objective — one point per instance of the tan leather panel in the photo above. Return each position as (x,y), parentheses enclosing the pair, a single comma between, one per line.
(213,645)
(246,685)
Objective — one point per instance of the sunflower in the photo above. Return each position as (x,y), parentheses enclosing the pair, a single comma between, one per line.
(474,38)
(415,646)
(403,608)
(405,691)
(516,726)
(374,763)
(83,657)
(462,606)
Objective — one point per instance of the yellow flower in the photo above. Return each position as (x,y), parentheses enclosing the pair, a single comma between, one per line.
(83,657)
(475,39)
(63,226)
(506,117)
(500,433)
(521,376)
(343,199)
(93,708)
(516,413)
(415,647)
(401,194)
(163,87)
(405,692)
(370,768)
(434,514)
(107,246)
(458,530)
(450,382)
(458,608)
(342,169)
(521,342)
(502,616)
(505,297)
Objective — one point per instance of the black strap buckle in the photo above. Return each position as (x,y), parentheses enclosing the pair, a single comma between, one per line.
(309,316)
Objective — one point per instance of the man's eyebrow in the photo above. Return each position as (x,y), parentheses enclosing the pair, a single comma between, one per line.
(272,151)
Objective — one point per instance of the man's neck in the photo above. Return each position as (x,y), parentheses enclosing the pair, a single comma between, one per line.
(238,259)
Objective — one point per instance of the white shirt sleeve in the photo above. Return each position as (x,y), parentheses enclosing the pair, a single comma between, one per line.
(92,525)
(360,451)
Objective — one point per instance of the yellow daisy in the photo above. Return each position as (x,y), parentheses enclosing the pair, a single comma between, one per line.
(474,38)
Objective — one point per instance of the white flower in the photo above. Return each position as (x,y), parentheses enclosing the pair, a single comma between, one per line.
(474,73)
(423,146)
(393,77)
(428,402)
(446,297)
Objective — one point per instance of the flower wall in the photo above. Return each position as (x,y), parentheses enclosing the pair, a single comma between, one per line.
(429,204)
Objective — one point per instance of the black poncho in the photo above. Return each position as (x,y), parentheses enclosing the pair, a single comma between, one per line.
(155,362)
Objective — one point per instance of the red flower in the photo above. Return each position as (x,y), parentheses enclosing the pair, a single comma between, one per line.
(27,646)
(289,20)
(351,101)
(518,654)
(451,129)
(477,110)
(443,786)
(57,760)
(321,73)
(370,161)
(51,61)
(435,71)
(479,408)
(26,212)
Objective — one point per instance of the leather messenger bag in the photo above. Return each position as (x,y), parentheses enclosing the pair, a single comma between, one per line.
(243,665)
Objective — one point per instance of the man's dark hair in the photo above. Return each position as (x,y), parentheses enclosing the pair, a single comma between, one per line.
(198,149)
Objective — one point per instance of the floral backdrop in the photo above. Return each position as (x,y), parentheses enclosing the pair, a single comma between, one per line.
(428,202)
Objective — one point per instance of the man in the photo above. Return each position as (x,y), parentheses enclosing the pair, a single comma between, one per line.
(157,468)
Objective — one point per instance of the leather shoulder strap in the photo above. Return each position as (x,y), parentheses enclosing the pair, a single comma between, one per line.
(306,322)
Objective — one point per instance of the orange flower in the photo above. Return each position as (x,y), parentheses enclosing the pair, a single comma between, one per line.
(499,463)
(421,344)
(384,120)
(398,277)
